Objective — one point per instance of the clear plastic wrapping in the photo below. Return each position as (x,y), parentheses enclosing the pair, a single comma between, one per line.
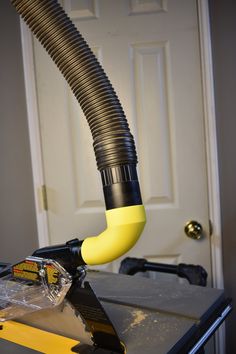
(32,285)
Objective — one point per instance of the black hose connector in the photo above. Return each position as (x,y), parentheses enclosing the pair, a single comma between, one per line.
(68,254)
(121,186)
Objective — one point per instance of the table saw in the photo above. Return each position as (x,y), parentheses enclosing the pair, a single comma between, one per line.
(146,316)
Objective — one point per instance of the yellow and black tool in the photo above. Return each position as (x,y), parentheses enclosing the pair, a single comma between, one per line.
(123,314)
(39,283)
(31,285)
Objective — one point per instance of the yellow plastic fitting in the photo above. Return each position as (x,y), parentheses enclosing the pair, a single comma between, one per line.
(124,226)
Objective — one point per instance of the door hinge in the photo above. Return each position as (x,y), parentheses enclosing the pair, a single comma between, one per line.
(43,197)
(210,227)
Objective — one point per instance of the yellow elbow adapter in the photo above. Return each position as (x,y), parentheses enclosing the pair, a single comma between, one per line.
(113,143)
(124,226)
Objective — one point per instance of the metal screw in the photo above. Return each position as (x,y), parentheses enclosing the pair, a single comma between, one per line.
(42,273)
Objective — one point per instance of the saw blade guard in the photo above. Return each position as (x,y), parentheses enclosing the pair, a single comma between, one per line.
(31,285)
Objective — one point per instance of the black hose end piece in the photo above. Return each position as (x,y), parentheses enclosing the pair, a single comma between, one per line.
(131,266)
(68,255)
(121,186)
(120,195)
(195,274)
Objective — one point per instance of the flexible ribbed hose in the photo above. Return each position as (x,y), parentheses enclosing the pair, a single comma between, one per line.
(113,142)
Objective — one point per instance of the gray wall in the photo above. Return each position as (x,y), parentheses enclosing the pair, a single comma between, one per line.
(18,234)
(223,26)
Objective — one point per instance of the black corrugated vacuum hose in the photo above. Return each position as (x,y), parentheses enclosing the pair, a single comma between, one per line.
(113,143)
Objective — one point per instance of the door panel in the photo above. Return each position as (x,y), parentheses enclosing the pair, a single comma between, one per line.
(150,60)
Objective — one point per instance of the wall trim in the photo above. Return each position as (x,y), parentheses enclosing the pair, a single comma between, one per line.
(211,155)
(34,131)
(211,142)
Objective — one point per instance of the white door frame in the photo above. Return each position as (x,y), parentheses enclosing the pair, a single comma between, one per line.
(34,132)
(211,142)
(210,136)
(212,156)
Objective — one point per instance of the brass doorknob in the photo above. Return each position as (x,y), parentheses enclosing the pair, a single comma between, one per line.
(193,230)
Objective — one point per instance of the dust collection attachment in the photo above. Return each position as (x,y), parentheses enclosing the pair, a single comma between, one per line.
(53,273)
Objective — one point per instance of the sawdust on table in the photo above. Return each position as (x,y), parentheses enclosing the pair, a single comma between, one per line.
(138,317)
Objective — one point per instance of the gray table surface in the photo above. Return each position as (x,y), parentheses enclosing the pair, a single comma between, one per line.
(149,316)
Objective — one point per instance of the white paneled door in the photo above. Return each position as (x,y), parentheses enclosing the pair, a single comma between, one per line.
(150,51)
